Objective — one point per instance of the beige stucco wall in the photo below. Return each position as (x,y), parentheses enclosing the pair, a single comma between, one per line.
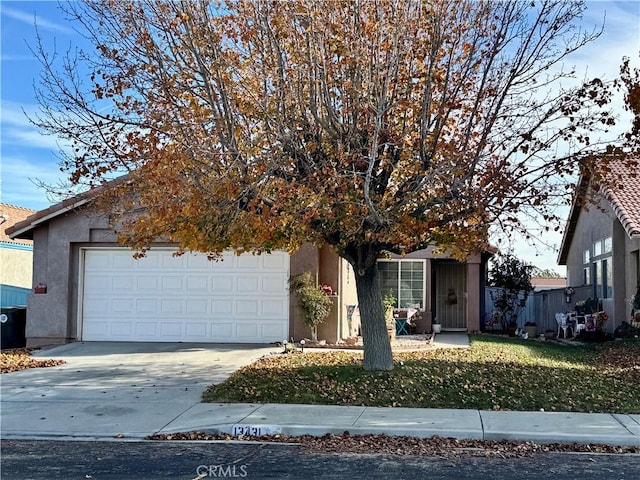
(52,316)
(348,296)
(594,224)
(306,259)
(16,267)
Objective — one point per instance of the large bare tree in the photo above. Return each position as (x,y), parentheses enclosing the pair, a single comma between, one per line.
(371,126)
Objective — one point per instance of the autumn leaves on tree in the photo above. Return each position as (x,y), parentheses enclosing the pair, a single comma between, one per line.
(370,126)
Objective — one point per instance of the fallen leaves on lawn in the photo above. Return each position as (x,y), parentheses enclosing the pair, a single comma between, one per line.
(381,444)
(21,359)
(493,374)
(620,355)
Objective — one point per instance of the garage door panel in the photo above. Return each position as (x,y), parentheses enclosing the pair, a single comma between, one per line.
(146,329)
(273,284)
(97,283)
(186,298)
(123,306)
(171,284)
(222,331)
(222,308)
(248,284)
(147,283)
(273,331)
(221,284)
(251,262)
(121,329)
(275,262)
(119,283)
(246,307)
(151,261)
(121,261)
(198,306)
(247,331)
(274,308)
(171,306)
(146,305)
(197,283)
(170,331)
(98,260)
(196,331)
(97,329)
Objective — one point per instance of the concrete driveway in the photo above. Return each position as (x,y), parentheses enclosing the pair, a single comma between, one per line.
(107,389)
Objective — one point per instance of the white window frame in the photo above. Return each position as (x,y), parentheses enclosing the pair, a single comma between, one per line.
(424,277)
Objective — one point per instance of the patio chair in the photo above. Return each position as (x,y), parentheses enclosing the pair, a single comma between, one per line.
(561,320)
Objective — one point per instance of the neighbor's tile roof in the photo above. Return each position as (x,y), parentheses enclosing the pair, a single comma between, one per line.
(626,200)
(548,282)
(9,216)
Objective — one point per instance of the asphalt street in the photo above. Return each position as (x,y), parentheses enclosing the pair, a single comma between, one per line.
(69,460)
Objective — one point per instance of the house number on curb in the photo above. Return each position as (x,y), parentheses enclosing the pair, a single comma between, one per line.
(254,430)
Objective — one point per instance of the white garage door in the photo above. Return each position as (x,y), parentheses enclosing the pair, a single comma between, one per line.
(162,298)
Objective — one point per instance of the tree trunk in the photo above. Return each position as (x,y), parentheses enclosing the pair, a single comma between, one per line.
(377,346)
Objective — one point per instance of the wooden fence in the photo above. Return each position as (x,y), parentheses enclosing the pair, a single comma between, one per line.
(541,307)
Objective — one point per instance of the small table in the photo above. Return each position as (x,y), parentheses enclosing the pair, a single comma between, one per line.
(404,320)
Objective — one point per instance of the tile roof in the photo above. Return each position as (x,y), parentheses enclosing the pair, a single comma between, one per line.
(624,198)
(9,216)
(550,282)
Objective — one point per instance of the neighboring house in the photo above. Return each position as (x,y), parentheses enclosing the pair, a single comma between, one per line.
(93,288)
(16,259)
(601,245)
(546,283)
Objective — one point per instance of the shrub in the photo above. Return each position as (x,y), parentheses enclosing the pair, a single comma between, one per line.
(314,303)
(513,277)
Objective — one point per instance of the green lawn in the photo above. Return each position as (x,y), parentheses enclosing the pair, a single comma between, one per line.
(494,373)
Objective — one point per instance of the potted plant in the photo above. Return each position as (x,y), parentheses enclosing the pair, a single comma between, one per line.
(389,303)
(511,328)
(436,327)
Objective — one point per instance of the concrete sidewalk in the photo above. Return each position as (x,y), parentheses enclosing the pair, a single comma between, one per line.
(128,390)
(539,427)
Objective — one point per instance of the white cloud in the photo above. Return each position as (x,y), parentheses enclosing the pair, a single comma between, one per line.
(16,58)
(19,178)
(16,114)
(18,130)
(35,19)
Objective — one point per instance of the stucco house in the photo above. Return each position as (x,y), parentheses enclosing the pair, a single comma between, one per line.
(92,289)
(601,245)
(16,258)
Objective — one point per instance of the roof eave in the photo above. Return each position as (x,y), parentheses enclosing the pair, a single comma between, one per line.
(572,221)
(24,229)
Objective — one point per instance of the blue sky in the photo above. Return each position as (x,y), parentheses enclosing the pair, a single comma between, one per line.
(26,155)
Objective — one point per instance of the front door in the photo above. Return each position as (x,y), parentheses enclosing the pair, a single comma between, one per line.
(451,295)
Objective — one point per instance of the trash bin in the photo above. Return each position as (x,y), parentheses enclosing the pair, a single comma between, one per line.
(13,321)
